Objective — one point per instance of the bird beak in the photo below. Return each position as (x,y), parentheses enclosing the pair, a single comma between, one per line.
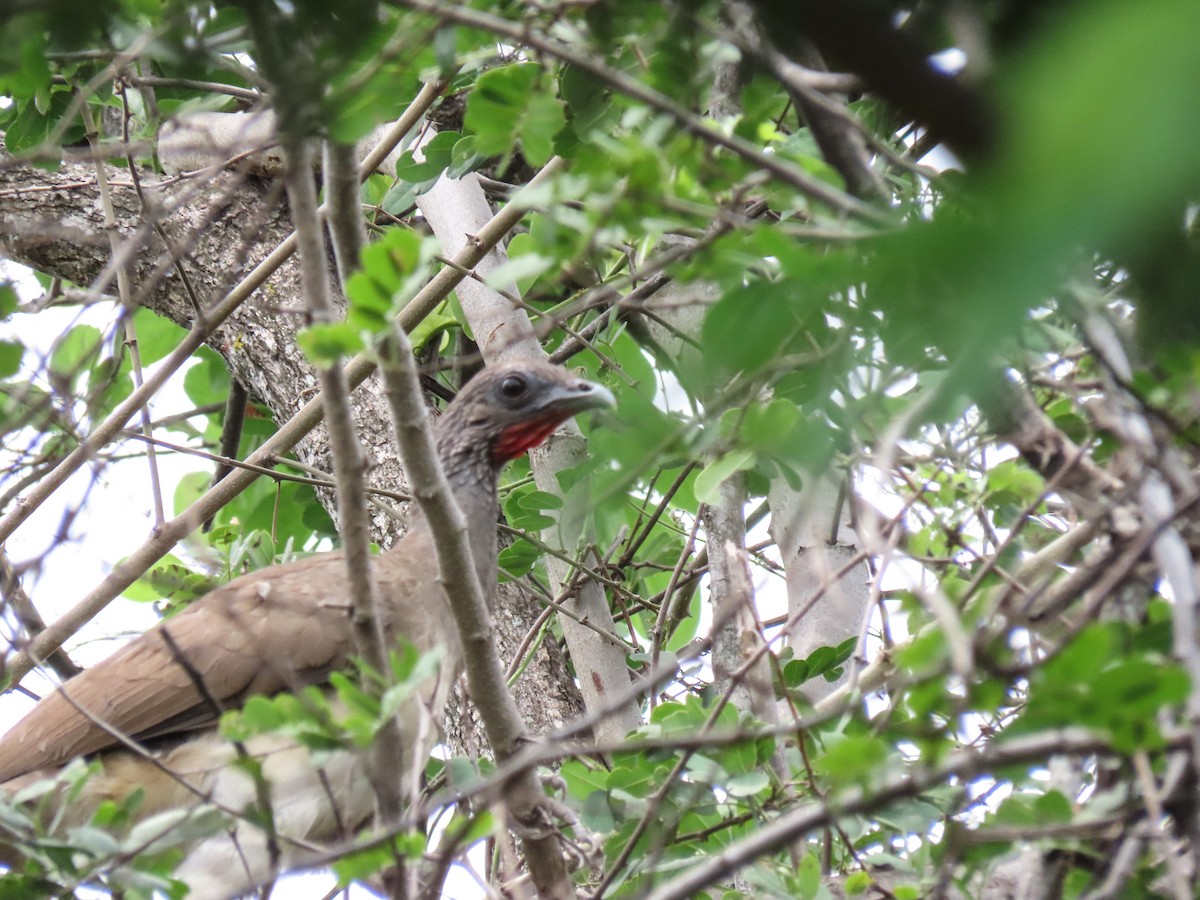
(568,399)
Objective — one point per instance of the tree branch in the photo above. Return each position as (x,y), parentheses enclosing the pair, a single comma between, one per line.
(790,175)
(457,573)
(305,419)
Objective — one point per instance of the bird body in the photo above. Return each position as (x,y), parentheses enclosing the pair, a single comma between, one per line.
(278,629)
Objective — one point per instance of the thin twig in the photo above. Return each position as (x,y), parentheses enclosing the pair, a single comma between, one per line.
(125,292)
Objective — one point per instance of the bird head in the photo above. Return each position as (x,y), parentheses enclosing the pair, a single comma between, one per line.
(512,407)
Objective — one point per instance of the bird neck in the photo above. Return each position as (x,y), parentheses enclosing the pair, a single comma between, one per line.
(471,476)
(471,473)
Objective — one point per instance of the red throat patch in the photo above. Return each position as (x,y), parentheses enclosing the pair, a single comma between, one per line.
(516,439)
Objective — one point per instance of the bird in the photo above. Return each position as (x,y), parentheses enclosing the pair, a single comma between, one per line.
(275,630)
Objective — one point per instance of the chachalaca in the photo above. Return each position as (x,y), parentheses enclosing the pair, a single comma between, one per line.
(278,629)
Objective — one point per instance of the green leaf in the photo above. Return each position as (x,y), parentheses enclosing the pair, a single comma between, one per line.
(8,299)
(543,119)
(1053,807)
(518,558)
(474,828)
(853,759)
(925,652)
(770,427)
(588,101)
(1081,661)
(582,779)
(705,770)
(795,672)
(355,698)
(391,268)
(679,717)
(325,344)
(94,841)
(463,773)
(400,198)
(597,813)
(364,863)
(515,103)
(524,508)
(637,778)
(819,661)
(157,336)
(411,669)
(37,119)
(523,268)
(465,157)
(856,883)
(11,353)
(438,154)
(708,482)
(432,329)
(745,329)
(171,580)
(536,499)
(172,828)
(808,876)
(1014,477)
(259,715)
(747,784)
(361,864)
(254,549)
(75,351)
(189,489)
(525,245)
(206,380)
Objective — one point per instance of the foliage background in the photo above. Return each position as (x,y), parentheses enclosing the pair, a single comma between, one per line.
(955,408)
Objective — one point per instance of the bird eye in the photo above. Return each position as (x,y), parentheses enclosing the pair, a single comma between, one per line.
(512,386)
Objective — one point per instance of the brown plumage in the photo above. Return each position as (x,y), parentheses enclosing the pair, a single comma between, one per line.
(281,628)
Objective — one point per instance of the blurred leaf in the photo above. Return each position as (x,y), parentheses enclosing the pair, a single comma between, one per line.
(11,353)
(514,104)
(157,336)
(170,580)
(324,345)
(597,813)
(747,327)
(172,828)
(857,883)
(363,863)
(1016,478)
(708,482)
(206,381)
(747,784)
(8,299)
(852,759)
(75,351)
